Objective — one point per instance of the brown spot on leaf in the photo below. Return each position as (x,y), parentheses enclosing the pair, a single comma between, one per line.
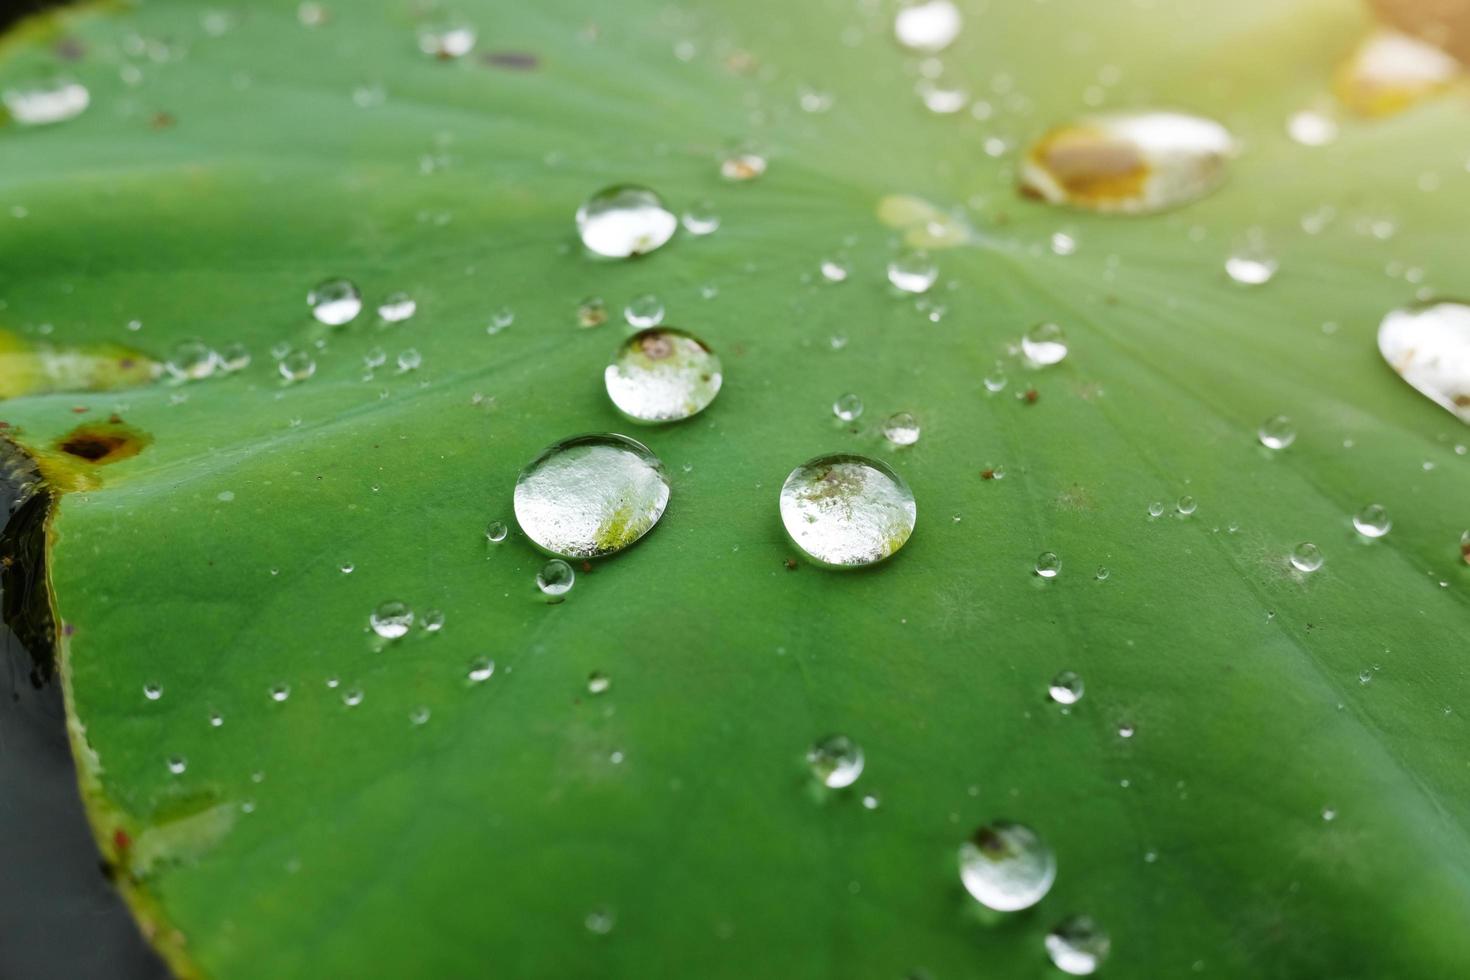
(511,60)
(101,443)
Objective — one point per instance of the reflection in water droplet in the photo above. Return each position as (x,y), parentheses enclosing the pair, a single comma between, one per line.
(836,761)
(45,101)
(1006,867)
(591,495)
(556,578)
(1077,946)
(913,271)
(927,25)
(1306,557)
(1066,688)
(644,311)
(397,308)
(663,375)
(1048,565)
(391,619)
(1277,432)
(152,691)
(1429,346)
(848,407)
(1044,344)
(1132,162)
(496,531)
(481,670)
(1372,521)
(335,302)
(901,429)
(847,511)
(624,220)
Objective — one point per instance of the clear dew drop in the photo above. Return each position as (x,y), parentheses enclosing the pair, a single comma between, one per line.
(848,407)
(503,317)
(847,511)
(1186,505)
(625,220)
(1372,521)
(419,716)
(1428,344)
(481,670)
(943,95)
(663,375)
(1077,945)
(279,692)
(496,531)
(409,360)
(591,495)
(1066,688)
(644,311)
(927,26)
(391,619)
(352,697)
(836,761)
(1311,128)
(433,621)
(297,365)
(556,578)
(913,271)
(1277,432)
(191,360)
(41,102)
(1006,867)
(1251,267)
(177,764)
(152,691)
(1129,162)
(397,308)
(598,682)
(234,357)
(591,312)
(901,429)
(1044,344)
(701,219)
(600,921)
(1126,730)
(335,302)
(1048,565)
(835,270)
(1306,557)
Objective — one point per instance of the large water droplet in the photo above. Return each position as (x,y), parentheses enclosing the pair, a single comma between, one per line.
(1306,557)
(591,495)
(556,578)
(927,25)
(44,101)
(663,375)
(1277,432)
(1429,346)
(1044,344)
(836,761)
(1132,162)
(625,220)
(391,619)
(335,302)
(913,271)
(1391,71)
(1066,688)
(1077,946)
(1006,866)
(847,511)
(1372,521)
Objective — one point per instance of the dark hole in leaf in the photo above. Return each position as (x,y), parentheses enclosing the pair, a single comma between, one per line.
(103,442)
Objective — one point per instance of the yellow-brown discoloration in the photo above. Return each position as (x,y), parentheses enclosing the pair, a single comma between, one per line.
(1091,167)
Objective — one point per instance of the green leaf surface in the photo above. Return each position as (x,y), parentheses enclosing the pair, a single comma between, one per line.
(224,167)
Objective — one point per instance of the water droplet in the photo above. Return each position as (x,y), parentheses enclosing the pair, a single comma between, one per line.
(943,94)
(836,761)
(352,697)
(397,308)
(191,360)
(848,407)
(901,429)
(500,319)
(591,495)
(298,365)
(152,691)
(409,360)
(1044,344)
(1429,346)
(662,375)
(927,25)
(280,692)
(847,511)
(600,921)
(598,682)
(41,102)
(1132,162)
(346,567)
(743,166)
(625,220)
(1077,946)
(1372,521)
(1187,505)
(391,619)
(1365,675)
(1329,814)
(1006,867)
(701,219)
(1277,432)
(644,311)
(1306,557)
(913,271)
(1066,688)
(1156,509)
(1311,128)
(481,670)
(1391,71)
(419,715)
(433,621)
(556,578)
(496,531)
(234,357)
(1126,730)
(1251,266)
(177,764)
(1048,565)
(335,302)
(1102,573)
(814,100)
(871,801)
(447,41)
(591,312)
(996,380)
(216,719)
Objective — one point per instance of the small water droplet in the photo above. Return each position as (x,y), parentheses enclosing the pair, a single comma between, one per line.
(191,360)
(1066,688)
(600,921)
(1251,266)
(419,715)
(391,619)
(1126,730)
(234,357)
(901,429)
(1187,505)
(177,764)
(1429,346)
(433,621)
(46,100)
(845,510)
(836,761)
(500,319)
(1077,946)
(701,219)
(397,308)
(447,41)
(335,302)
(591,312)
(280,692)
(1102,573)
(662,375)
(996,380)
(644,311)
(598,682)
(152,691)
(944,94)
(743,166)
(216,720)
(848,407)
(496,531)
(481,670)
(556,578)
(1372,521)
(298,365)
(1277,432)
(913,271)
(1044,344)
(352,697)
(590,496)
(625,220)
(1329,814)
(1006,867)
(1306,557)
(1365,675)
(927,26)
(1048,565)
(1310,128)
